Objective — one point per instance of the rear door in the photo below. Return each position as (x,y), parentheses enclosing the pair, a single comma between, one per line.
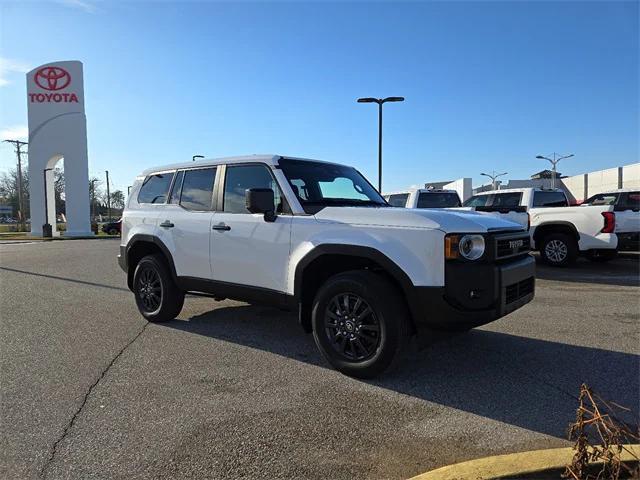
(627,212)
(245,249)
(185,223)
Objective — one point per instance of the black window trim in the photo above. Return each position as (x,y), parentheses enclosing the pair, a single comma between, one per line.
(286,208)
(213,192)
(172,171)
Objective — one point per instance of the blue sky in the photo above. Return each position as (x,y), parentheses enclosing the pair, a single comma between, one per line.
(488,85)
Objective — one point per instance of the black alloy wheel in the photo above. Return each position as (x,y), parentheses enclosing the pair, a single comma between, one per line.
(149,289)
(352,327)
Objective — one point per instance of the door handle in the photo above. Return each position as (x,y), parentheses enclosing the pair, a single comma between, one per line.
(167,224)
(221,226)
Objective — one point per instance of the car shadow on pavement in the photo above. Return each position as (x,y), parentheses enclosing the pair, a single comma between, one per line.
(624,270)
(521,381)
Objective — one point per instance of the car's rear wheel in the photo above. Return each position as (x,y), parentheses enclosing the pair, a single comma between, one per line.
(157,296)
(113,231)
(559,250)
(360,323)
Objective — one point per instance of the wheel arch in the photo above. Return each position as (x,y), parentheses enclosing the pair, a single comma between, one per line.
(327,260)
(545,229)
(141,245)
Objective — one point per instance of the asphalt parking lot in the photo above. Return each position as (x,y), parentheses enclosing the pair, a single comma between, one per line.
(90,390)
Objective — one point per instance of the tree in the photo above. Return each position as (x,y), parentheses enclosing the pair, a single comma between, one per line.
(117,199)
(58,188)
(9,190)
(95,194)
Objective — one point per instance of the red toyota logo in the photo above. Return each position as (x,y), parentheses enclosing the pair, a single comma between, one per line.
(52,78)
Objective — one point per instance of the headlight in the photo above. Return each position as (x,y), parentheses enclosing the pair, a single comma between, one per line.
(470,247)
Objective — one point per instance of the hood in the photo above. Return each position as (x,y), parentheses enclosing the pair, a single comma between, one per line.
(434,218)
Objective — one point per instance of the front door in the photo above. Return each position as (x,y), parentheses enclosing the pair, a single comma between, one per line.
(245,249)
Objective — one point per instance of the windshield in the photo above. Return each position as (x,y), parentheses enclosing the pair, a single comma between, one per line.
(318,185)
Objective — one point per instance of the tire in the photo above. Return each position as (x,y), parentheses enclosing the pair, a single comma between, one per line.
(601,256)
(157,296)
(113,231)
(361,345)
(559,250)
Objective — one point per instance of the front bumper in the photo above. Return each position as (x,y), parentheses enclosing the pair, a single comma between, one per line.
(474,295)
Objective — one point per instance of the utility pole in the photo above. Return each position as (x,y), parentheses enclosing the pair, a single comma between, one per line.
(108,196)
(21,219)
(493,177)
(554,162)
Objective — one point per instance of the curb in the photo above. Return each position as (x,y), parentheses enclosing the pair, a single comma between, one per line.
(501,466)
(55,239)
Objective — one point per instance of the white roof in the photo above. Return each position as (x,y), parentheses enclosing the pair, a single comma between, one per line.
(269,159)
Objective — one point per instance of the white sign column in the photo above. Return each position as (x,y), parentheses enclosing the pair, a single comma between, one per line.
(58,129)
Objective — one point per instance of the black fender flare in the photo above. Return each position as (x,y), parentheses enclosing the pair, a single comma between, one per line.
(407,287)
(146,238)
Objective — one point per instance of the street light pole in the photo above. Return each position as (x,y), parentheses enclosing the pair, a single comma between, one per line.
(380,102)
(108,196)
(493,178)
(554,162)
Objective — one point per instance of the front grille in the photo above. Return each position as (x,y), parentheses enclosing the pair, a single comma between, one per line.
(512,246)
(518,290)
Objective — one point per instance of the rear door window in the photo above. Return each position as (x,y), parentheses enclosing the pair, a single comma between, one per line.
(549,199)
(197,189)
(155,188)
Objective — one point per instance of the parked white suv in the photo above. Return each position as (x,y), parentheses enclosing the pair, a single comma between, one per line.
(424,198)
(317,238)
(560,232)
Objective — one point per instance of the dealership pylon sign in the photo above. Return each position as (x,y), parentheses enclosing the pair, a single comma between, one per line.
(58,130)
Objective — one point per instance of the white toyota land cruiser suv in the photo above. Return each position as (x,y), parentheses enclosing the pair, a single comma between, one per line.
(317,238)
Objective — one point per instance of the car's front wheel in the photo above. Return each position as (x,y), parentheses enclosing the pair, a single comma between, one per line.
(157,296)
(360,323)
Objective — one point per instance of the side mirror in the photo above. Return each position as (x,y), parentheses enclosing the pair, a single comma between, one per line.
(261,200)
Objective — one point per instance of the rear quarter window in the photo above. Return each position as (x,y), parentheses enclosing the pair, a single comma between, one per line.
(155,188)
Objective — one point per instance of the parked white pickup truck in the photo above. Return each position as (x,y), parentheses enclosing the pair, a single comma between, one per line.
(626,204)
(424,198)
(316,238)
(558,231)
